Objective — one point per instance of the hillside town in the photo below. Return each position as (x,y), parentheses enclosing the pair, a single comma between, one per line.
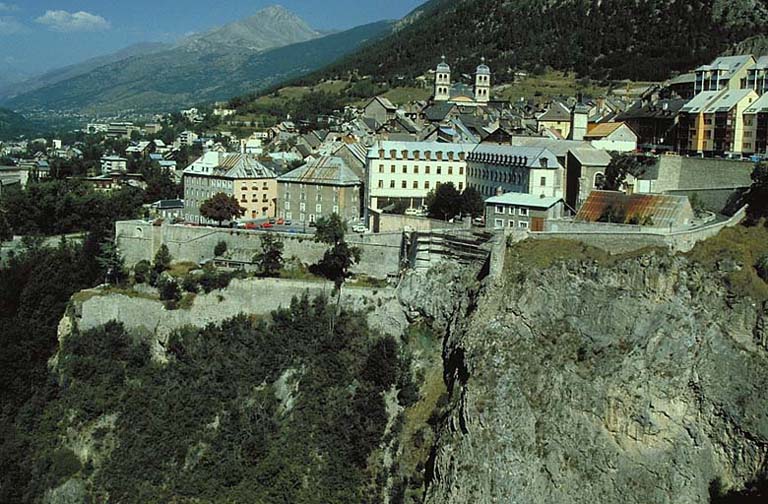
(694,136)
(412,252)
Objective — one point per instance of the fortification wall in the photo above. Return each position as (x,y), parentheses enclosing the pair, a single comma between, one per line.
(139,240)
(615,239)
(250,296)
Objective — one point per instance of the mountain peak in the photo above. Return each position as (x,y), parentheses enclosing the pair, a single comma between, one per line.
(273,26)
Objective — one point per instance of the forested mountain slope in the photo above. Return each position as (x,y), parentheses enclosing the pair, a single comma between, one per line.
(635,39)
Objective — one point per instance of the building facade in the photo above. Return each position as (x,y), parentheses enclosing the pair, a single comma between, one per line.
(405,172)
(238,175)
(492,169)
(323,186)
(521,211)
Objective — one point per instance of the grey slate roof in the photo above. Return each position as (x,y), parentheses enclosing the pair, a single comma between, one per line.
(325,170)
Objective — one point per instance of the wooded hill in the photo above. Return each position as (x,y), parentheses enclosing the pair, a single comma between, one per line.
(608,39)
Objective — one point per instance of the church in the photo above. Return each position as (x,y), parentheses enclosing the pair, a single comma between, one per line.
(446,91)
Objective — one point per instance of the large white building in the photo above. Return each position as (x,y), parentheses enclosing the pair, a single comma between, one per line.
(408,171)
(499,169)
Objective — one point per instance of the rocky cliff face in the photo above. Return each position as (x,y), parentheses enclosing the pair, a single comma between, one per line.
(643,381)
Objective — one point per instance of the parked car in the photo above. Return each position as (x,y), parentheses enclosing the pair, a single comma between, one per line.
(250,225)
(280,222)
(288,222)
(272,221)
(267,225)
(359,228)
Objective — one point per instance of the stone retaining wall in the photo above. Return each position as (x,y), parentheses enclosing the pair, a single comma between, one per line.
(139,240)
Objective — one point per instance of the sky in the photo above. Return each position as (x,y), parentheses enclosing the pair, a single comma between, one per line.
(39,35)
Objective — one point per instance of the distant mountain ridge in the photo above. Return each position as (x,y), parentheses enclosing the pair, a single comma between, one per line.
(71,71)
(213,66)
(240,57)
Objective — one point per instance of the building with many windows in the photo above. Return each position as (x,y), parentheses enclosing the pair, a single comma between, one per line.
(713,123)
(321,187)
(503,168)
(725,72)
(239,175)
(405,172)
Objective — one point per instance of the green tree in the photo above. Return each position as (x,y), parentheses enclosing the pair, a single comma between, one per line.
(270,259)
(112,263)
(340,257)
(620,167)
(472,202)
(6,233)
(762,267)
(757,197)
(445,202)
(162,260)
(220,249)
(141,271)
(220,208)
(169,290)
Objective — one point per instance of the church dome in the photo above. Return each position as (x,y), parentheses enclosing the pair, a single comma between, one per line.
(483,69)
(443,66)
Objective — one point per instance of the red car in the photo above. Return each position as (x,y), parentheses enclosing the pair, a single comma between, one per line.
(280,222)
(250,225)
(267,225)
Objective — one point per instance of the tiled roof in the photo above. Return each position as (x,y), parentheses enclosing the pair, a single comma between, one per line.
(557,112)
(533,157)
(325,170)
(663,210)
(602,130)
(592,157)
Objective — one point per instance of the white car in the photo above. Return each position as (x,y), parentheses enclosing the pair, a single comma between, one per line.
(359,229)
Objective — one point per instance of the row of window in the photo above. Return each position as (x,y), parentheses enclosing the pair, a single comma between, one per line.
(289,186)
(254,199)
(404,154)
(414,185)
(303,207)
(427,170)
(264,187)
(523,212)
(499,223)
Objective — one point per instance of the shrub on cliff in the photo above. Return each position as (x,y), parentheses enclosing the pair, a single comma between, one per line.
(141,272)
(220,249)
(762,267)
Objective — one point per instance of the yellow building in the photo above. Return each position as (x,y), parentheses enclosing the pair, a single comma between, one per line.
(557,119)
(713,122)
(257,196)
(725,72)
(239,175)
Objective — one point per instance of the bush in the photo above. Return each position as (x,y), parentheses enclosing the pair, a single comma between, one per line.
(762,267)
(141,272)
(190,284)
(220,249)
(169,290)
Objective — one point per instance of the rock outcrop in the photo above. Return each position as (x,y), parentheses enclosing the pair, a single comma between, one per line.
(643,381)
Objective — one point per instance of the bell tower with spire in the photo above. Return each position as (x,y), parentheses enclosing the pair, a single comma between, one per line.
(443,82)
(483,83)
